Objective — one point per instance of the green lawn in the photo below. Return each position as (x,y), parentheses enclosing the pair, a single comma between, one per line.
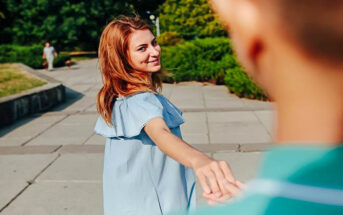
(14,80)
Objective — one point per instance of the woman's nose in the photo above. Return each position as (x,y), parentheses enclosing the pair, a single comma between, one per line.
(155,51)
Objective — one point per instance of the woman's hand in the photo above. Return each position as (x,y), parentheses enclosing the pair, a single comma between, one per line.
(236,190)
(214,176)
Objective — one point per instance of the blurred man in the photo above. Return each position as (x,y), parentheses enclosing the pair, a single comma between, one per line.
(49,53)
(294,50)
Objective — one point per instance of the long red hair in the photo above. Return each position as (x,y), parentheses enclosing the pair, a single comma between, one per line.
(118,77)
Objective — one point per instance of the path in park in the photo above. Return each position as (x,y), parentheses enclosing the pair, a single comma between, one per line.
(51,163)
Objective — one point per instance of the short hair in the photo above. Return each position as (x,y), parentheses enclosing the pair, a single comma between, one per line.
(316,25)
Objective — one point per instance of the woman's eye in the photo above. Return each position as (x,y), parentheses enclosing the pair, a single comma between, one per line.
(141,49)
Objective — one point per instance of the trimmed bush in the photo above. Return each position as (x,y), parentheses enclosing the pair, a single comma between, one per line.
(29,55)
(212,60)
(197,60)
(240,84)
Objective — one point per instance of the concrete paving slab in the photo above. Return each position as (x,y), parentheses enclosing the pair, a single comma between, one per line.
(79,105)
(75,129)
(10,189)
(254,147)
(213,148)
(74,167)
(236,127)
(17,124)
(77,149)
(244,165)
(96,140)
(58,198)
(93,91)
(22,131)
(20,150)
(192,99)
(219,97)
(13,141)
(194,130)
(167,90)
(195,139)
(24,167)
(257,105)
(17,170)
(92,108)
(267,118)
(82,87)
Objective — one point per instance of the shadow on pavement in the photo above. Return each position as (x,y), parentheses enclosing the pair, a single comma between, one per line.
(72,96)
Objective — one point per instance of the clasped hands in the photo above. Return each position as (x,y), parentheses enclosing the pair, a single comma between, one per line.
(217,181)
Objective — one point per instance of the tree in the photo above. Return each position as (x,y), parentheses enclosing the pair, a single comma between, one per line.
(66,23)
(190,19)
(5,23)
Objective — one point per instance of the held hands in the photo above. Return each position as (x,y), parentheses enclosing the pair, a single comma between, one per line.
(216,180)
(235,190)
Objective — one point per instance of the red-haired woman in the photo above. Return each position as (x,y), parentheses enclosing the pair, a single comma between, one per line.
(147,166)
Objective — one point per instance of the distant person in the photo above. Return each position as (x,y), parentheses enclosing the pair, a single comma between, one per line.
(148,168)
(49,53)
(294,50)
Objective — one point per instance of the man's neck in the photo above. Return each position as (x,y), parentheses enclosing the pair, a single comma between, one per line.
(310,105)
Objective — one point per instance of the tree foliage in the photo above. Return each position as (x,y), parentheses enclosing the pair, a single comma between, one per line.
(190,19)
(67,23)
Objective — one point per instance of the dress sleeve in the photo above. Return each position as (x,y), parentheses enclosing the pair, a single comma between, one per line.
(130,115)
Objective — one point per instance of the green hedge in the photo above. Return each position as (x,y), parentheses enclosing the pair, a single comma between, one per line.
(240,84)
(29,55)
(197,60)
(209,59)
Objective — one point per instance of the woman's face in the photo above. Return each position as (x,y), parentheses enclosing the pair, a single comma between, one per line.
(144,52)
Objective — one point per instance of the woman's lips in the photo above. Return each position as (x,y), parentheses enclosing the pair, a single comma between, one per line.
(154,61)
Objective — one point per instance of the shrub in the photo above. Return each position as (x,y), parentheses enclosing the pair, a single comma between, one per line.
(169,39)
(197,60)
(29,55)
(209,59)
(240,84)
(61,59)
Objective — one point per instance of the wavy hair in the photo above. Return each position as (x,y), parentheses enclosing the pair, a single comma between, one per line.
(118,77)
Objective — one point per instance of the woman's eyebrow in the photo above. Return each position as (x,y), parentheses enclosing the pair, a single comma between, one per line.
(141,45)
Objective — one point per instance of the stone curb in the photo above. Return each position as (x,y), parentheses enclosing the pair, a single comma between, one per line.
(31,101)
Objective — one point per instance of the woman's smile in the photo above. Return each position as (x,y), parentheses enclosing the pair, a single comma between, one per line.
(154,62)
(144,52)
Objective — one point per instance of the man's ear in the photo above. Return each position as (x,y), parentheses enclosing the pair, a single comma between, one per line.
(246,31)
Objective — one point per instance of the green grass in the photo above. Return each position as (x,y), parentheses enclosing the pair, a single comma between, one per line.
(14,80)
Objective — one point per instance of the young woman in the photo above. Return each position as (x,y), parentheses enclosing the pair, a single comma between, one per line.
(147,165)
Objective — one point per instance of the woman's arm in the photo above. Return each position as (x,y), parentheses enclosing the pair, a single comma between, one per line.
(206,169)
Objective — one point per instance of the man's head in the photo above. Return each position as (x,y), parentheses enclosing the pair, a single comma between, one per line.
(47,44)
(268,34)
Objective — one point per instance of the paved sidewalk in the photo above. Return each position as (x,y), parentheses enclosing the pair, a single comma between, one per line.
(51,163)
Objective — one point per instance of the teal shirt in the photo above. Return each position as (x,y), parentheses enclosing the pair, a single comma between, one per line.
(293,179)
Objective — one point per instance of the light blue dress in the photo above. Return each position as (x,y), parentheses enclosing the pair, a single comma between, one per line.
(138,178)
